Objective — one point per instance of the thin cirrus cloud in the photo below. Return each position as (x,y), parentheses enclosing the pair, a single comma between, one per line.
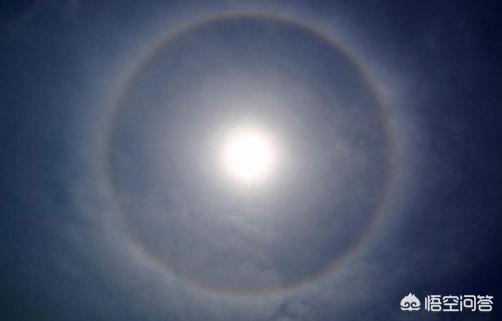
(136,219)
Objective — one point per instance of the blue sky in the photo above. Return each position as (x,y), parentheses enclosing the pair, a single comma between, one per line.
(387,115)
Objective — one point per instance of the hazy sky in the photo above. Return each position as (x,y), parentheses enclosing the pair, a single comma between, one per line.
(383,115)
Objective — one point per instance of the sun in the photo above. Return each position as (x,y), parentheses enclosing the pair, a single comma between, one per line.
(248,154)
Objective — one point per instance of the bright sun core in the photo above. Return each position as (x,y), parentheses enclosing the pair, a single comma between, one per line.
(248,154)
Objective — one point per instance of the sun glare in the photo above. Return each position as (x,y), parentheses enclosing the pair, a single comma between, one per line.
(248,155)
